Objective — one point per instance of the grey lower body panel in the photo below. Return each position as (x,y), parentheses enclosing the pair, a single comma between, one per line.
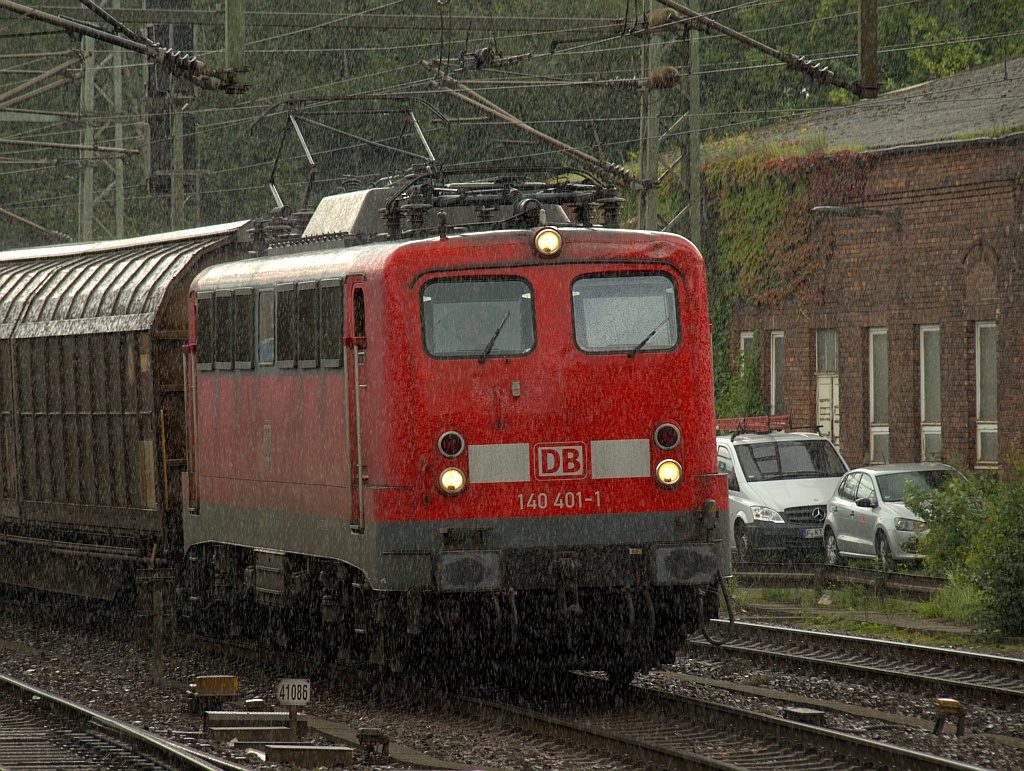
(657,548)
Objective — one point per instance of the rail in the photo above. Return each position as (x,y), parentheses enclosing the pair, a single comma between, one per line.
(952,671)
(146,749)
(821,576)
(678,732)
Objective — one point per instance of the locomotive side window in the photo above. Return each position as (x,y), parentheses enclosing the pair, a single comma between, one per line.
(628,314)
(359,313)
(223,331)
(204,331)
(286,313)
(478,318)
(243,328)
(330,323)
(308,315)
(266,328)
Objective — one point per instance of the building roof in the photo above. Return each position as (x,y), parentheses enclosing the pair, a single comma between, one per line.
(979,102)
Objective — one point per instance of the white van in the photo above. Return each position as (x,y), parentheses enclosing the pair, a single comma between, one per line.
(779,486)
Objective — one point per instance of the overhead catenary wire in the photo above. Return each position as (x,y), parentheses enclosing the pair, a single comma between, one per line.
(460,91)
(177,63)
(815,55)
(369,76)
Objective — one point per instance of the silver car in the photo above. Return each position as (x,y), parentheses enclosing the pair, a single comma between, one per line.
(867,518)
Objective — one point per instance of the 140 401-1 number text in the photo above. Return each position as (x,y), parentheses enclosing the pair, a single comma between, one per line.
(567,500)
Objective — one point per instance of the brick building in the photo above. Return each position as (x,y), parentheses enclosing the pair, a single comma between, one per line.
(913,349)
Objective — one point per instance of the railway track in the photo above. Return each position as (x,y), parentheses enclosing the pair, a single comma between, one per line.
(948,671)
(677,732)
(667,730)
(664,730)
(39,730)
(818,576)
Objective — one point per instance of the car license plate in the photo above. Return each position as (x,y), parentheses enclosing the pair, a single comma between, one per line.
(812,532)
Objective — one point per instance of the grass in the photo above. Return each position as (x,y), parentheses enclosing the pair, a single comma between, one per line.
(958,601)
(855,609)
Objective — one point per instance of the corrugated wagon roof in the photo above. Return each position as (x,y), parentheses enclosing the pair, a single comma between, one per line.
(106,286)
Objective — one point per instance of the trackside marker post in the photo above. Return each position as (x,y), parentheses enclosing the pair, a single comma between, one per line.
(293,693)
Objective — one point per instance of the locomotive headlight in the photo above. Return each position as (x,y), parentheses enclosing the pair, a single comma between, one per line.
(668,473)
(451,444)
(548,242)
(666,436)
(453,481)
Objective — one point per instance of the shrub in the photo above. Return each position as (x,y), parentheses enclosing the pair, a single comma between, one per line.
(954,515)
(974,528)
(997,559)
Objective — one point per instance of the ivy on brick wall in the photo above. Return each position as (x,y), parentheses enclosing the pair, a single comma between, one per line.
(765,244)
(770,245)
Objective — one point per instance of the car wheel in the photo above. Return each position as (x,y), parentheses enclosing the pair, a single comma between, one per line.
(884,553)
(744,546)
(832,555)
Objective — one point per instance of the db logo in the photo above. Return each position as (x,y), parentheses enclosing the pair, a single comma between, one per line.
(560,460)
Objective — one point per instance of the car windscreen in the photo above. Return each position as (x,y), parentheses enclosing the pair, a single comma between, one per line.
(473,318)
(799,459)
(891,486)
(625,313)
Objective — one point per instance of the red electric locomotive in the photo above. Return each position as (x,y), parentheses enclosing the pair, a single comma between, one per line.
(486,444)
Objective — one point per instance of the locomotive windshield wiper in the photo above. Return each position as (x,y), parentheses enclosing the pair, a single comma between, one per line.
(494,337)
(642,343)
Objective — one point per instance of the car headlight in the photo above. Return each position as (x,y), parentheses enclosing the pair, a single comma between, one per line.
(764,514)
(907,524)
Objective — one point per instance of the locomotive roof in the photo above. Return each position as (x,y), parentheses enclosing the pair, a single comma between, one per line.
(327,261)
(103,286)
(361,212)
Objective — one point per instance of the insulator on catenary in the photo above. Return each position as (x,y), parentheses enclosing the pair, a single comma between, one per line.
(663,77)
(662,16)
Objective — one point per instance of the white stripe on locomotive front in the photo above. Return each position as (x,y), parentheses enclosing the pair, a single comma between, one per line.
(609,459)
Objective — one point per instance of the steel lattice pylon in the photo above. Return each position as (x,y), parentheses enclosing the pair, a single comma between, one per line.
(101,179)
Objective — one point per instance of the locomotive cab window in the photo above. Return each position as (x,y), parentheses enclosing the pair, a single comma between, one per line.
(477,318)
(330,323)
(223,331)
(286,317)
(243,328)
(628,314)
(265,328)
(307,333)
(204,331)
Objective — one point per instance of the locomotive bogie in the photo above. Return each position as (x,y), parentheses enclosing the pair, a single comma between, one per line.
(323,607)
